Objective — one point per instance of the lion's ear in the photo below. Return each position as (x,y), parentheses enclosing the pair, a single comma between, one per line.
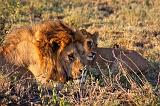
(58,44)
(55,46)
(74,34)
(71,31)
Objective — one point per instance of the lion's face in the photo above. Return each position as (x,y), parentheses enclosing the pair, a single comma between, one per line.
(90,43)
(72,61)
(51,50)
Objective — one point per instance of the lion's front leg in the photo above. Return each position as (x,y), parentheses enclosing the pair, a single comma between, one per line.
(40,75)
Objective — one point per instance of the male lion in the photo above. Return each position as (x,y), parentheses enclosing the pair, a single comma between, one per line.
(50,50)
(111,57)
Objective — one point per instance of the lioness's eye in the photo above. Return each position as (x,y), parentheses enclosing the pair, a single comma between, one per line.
(90,44)
(71,57)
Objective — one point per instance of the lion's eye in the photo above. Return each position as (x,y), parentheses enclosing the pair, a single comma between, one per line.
(83,53)
(71,57)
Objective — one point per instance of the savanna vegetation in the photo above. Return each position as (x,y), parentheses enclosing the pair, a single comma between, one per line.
(128,24)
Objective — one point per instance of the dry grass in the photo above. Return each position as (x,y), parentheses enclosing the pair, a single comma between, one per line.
(131,24)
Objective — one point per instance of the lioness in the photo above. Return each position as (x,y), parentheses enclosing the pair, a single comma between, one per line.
(111,57)
(89,43)
(122,59)
(48,49)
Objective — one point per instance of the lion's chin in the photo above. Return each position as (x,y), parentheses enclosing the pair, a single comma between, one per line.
(89,58)
(82,78)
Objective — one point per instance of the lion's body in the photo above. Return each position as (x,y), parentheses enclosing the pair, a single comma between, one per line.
(39,48)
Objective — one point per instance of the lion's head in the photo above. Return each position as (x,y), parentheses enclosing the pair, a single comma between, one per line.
(71,60)
(89,43)
(51,50)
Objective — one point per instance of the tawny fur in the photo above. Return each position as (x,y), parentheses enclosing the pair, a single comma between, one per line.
(112,58)
(89,42)
(39,48)
(122,59)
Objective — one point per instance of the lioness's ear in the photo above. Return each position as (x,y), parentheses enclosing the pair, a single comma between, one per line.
(83,31)
(79,36)
(95,36)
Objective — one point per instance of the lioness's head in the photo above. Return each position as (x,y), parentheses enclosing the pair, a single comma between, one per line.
(89,43)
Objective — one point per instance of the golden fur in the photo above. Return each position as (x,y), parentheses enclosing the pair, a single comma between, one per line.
(112,58)
(50,50)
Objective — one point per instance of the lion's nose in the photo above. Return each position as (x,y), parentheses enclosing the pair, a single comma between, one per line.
(83,69)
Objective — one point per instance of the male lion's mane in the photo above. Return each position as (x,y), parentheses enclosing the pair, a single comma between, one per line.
(38,48)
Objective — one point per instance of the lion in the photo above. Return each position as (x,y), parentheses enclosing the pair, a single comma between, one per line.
(50,50)
(112,58)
